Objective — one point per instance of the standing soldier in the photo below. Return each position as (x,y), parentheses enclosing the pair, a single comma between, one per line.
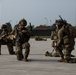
(22,40)
(4,39)
(65,41)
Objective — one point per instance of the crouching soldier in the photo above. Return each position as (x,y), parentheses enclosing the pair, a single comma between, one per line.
(22,40)
(66,41)
(55,51)
(5,40)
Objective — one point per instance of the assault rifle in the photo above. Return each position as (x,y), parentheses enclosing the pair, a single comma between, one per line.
(2,36)
(18,38)
(63,21)
(61,17)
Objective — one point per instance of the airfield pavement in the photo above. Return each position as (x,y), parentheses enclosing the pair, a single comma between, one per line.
(38,63)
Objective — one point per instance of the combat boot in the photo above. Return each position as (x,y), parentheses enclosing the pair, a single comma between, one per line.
(56,55)
(72,60)
(61,60)
(25,59)
(19,57)
(48,54)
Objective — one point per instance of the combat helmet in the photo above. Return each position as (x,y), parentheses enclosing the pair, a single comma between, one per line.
(3,26)
(23,22)
(58,21)
(61,21)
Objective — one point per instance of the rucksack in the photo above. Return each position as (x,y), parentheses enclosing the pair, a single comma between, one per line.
(71,30)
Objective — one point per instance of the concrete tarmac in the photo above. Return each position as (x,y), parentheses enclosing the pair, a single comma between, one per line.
(38,63)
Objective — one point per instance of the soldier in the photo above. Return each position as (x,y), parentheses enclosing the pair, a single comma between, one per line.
(55,52)
(22,40)
(65,42)
(40,39)
(4,39)
(54,37)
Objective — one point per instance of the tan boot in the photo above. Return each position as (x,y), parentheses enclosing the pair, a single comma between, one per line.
(61,60)
(72,60)
(56,55)
(48,54)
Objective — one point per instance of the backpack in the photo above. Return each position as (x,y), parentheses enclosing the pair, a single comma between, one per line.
(71,30)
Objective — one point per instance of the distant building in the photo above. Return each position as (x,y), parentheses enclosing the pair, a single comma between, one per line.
(42,31)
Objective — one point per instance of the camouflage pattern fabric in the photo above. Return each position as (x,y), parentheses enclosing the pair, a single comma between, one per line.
(55,38)
(24,36)
(7,41)
(66,42)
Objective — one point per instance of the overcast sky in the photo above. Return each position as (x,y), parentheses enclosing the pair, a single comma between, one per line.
(37,11)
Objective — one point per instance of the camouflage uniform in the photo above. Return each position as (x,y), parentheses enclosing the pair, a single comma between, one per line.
(55,51)
(5,40)
(23,42)
(55,38)
(66,42)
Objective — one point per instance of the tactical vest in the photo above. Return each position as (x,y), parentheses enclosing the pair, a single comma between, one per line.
(24,37)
